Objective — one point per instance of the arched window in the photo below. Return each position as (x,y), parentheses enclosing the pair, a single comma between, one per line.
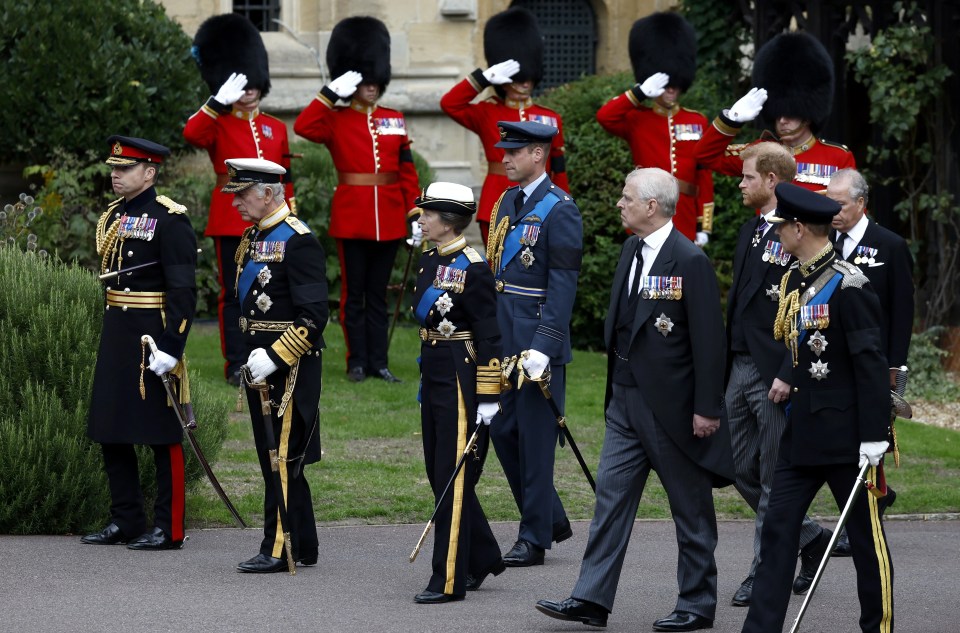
(570,39)
(260,12)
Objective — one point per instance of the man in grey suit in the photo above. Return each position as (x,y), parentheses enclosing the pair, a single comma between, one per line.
(665,342)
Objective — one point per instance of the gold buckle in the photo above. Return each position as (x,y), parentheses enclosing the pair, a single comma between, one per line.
(424,335)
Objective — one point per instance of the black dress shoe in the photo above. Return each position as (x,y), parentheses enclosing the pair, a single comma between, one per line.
(524,554)
(474,582)
(356,375)
(432,597)
(682,621)
(110,535)
(742,597)
(154,541)
(574,610)
(263,564)
(842,546)
(387,375)
(810,557)
(562,531)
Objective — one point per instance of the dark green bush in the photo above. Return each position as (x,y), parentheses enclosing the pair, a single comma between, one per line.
(51,477)
(927,380)
(71,68)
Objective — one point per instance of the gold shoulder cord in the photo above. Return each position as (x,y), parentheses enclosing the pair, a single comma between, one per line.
(496,235)
(785,324)
(239,255)
(106,239)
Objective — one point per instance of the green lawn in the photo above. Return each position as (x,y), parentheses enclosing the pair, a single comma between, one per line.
(372,467)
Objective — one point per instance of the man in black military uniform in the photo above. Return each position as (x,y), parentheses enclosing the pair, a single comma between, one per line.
(282,287)
(758,372)
(129,405)
(535,248)
(828,316)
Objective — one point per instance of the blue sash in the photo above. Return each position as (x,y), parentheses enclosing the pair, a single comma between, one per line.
(282,233)
(511,244)
(821,297)
(432,293)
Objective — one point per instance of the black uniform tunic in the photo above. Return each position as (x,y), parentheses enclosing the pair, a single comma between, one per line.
(283,299)
(459,364)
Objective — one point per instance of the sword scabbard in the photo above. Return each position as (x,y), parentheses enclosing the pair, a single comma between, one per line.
(423,537)
(288,546)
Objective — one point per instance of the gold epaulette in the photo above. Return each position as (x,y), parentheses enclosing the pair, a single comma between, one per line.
(735,149)
(172,207)
(114,203)
(488,378)
(853,277)
(292,344)
(473,255)
(496,234)
(294,223)
(706,219)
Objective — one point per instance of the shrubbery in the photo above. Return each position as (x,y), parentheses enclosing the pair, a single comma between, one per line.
(71,68)
(51,476)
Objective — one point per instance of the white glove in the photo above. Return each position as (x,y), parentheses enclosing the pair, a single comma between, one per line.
(260,364)
(502,73)
(701,239)
(486,411)
(535,362)
(416,235)
(654,85)
(748,107)
(872,452)
(346,84)
(161,363)
(232,89)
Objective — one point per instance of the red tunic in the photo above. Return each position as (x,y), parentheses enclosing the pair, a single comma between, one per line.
(371,151)
(236,134)
(816,159)
(666,139)
(481,119)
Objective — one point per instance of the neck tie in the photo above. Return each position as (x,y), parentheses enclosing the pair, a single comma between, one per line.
(638,256)
(841,240)
(518,202)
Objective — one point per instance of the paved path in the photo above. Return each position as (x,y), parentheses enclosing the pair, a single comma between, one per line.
(52,584)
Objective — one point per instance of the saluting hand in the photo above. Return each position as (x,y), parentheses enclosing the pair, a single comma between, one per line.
(748,106)
(654,85)
(232,89)
(346,84)
(502,73)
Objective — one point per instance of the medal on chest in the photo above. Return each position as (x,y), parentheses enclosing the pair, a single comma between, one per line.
(669,288)
(774,253)
(687,131)
(267,251)
(450,279)
(663,324)
(865,255)
(815,317)
(137,228)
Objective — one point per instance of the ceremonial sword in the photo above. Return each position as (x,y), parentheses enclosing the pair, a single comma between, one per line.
(127,271)
(543,381)
(188,424)
(266,409)
(471,443)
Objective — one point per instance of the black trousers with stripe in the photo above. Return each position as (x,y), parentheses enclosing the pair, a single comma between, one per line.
(292,434)
(463,541)
(126,498)
(794,488)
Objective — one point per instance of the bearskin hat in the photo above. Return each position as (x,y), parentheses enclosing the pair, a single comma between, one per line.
(514,34)
(230,43)
(361,44)
(664,43)
(797,73)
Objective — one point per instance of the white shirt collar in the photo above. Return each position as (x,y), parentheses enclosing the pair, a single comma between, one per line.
(529,189)
(854,236)
(651,248)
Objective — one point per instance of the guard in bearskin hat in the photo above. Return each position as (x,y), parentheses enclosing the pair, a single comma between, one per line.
(233,62)
(513,46)
(377,184)
(795,105)
(661,133)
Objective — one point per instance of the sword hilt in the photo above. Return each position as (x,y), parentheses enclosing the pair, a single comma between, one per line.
(901,380)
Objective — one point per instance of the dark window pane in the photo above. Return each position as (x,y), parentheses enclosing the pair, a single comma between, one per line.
(260,13)
(569,39)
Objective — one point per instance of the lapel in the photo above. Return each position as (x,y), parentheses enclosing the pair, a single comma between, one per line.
(662,266)
(869,240)
(616,290)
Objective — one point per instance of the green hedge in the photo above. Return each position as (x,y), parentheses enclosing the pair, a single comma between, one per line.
(75,71)
(51,476)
